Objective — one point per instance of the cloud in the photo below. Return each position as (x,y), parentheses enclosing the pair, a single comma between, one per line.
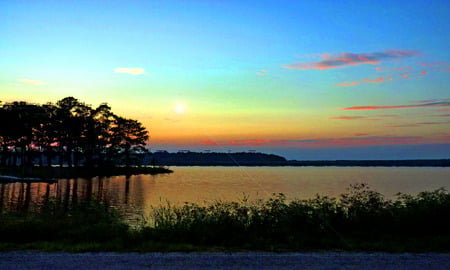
(262,72)
(132,71)
(351,59)
(443,110)
(388,115)
(442,103)
(440,115)
(432,64)
(395,68)
(32,82)
(376,80)
(171,120)
(252,142)
(416,124)
(357,140)
(347,117)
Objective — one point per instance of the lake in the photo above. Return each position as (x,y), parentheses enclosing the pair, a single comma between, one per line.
(134,196)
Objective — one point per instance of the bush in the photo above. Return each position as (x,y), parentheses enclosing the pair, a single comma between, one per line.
(360,218)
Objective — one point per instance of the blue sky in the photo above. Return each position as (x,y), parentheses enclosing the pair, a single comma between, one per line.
(276,76)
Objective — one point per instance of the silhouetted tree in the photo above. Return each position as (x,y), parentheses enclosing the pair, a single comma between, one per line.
(128,136)
(74,129)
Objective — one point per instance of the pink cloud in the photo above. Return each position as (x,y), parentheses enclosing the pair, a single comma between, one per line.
(208,142)
(377,80)
(443,110)
(356,140)
(415,124)
(262,72)
(365,80)
(395,68)
(351,59)
(432,64)
(377,107)
(252,142)
(347,117)
(388,115)
(440,115)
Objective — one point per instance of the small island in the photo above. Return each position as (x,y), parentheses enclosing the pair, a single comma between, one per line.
(69,139)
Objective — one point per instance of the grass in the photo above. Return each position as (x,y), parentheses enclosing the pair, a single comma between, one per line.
(359,220)
(75,172)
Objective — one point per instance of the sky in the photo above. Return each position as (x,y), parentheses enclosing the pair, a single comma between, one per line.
(303,79)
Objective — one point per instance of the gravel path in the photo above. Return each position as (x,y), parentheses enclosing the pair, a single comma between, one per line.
(245,260)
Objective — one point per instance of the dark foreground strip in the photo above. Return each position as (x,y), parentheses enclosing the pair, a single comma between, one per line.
(246,260)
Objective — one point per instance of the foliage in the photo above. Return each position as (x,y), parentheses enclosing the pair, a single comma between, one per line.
(360,219)
(87,221)
(70,130)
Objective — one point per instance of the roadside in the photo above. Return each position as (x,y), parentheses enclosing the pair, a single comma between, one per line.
(244,260)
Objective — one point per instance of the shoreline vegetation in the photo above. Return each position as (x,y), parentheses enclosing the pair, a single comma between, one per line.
(53,174)
(190,158)
(360,219)
(69,139)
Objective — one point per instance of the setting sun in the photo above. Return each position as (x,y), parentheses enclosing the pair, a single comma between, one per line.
(180,108)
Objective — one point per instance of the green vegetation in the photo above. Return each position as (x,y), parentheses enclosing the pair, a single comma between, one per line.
(360,219)
(69,133)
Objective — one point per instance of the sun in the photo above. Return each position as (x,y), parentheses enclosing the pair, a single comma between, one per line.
(180,108)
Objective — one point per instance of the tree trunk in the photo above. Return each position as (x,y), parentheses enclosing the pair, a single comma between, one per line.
(49,155)
(61,156)
(69,156)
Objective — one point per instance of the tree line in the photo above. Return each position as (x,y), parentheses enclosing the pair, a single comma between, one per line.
(70,133)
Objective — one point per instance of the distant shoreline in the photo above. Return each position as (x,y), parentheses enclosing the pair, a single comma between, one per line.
(187,158)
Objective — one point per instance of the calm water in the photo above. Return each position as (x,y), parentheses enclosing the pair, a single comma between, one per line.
(135,195)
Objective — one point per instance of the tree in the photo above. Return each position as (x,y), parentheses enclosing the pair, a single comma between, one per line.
(128,136)
(77,130)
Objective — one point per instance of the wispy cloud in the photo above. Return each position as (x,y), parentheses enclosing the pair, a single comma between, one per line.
(132,71)
(171,120)
(415,124)
(32,82)
(356,140)
(379,69)
(262,72)
(443,110)
(347,117)
(442,103)
(354,83)
(440,115)
(388,115)
(432,64)
(351,59)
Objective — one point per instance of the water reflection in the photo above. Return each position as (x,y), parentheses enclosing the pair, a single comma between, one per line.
(115,191)
(134,195)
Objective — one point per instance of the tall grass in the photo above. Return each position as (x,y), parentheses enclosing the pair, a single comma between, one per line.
(359,219)
(86,221)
